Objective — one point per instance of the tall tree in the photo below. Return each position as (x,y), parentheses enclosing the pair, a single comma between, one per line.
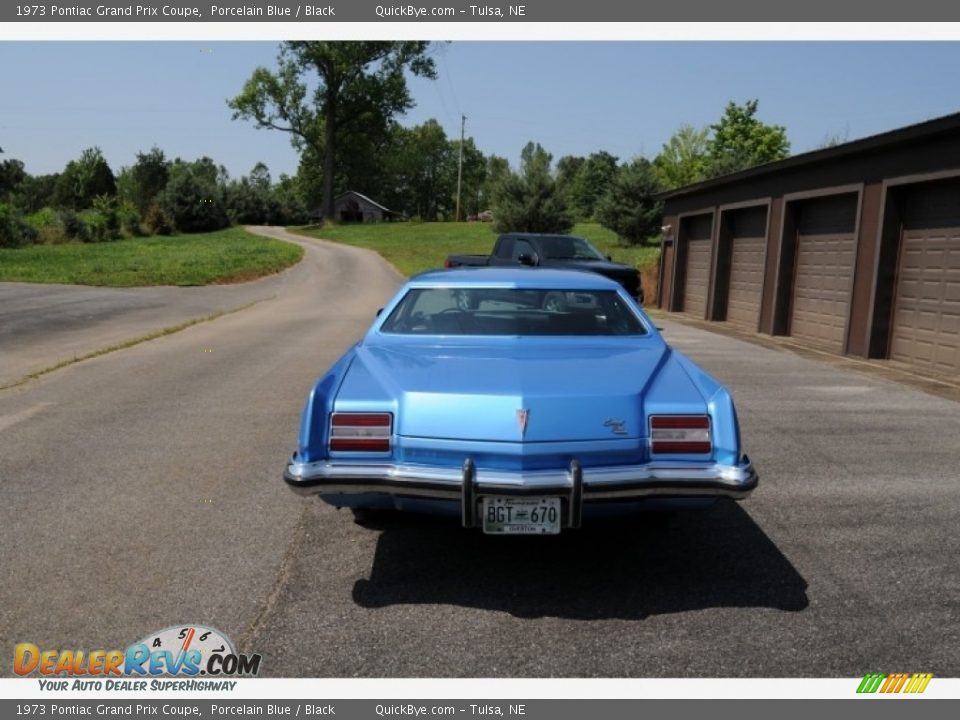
(740,140)
(629,207)
(11,175)
(529,201)
(591,182)
(361,87)
(683,159)
(148,177)
(497,169)
(84,179)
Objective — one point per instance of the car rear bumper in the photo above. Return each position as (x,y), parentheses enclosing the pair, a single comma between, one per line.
(577,485)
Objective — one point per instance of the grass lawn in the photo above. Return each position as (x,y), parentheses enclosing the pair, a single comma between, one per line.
(230,255)
(415,247)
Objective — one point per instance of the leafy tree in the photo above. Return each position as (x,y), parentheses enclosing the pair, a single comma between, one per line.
(250,200)
(192,199)
(84,179)
(12,176)
(361,87)
(148,177)
(474,177)
(496,170)
(423,168)
(288,202)
(35,192)
(629,207)
(529,201)
(567,168)
(591,182)
(740,141)
(683,159)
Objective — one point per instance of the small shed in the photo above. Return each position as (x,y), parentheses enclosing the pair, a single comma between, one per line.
(352,206)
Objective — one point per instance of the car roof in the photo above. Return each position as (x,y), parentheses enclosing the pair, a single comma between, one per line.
(514,277)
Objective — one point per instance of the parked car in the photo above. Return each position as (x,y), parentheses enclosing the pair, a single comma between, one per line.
(519,419)
(550,251)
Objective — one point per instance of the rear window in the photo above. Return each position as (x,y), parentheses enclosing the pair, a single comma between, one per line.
(512,311)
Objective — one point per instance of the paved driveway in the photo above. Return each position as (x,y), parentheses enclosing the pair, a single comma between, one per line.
(142,489)
(43,325)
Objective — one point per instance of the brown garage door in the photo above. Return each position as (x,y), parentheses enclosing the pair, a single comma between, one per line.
(926,316)
(824,270)
(698,277)
(748,229)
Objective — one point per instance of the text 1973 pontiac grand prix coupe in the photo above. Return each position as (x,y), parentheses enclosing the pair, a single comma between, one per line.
(519,414)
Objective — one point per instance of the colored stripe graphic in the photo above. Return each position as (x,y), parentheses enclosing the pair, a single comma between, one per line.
(894,683)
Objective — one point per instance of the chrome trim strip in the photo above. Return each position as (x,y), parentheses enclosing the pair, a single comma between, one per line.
(596,483)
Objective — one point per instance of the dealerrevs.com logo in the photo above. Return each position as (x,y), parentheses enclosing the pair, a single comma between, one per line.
(177,651)
(893,683)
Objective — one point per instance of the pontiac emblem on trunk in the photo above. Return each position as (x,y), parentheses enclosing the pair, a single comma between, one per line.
(522,416)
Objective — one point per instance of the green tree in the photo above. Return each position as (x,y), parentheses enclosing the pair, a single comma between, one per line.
(35,192)
(683,159)
(84,179)
(741,141)
(474,177)
(629,207)
(288,202)
(12,175)
(567,168)
(593,179)
(529,201)
(423,171)
(360,87)
(496,170)
(193,198)
(148,177)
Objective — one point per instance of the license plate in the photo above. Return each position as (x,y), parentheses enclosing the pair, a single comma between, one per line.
(521,515)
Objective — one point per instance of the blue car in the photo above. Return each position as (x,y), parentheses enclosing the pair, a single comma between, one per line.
(551,398)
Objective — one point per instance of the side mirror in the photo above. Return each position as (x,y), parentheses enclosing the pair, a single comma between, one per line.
(526,259)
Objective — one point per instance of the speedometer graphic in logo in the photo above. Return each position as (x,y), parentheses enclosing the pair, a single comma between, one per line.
(193,645)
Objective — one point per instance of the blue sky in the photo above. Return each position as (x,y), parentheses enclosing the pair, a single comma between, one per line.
(57,98)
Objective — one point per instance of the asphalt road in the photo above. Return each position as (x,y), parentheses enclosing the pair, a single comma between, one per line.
(142,489)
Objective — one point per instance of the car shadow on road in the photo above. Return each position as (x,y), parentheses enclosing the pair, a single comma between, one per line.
(609,569)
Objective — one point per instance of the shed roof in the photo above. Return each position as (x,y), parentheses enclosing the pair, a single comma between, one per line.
(364,197)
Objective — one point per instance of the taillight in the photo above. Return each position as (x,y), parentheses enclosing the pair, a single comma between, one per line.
(680,434)
(360,432)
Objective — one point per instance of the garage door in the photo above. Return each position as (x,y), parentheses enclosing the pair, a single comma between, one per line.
(698,277)
(926,316)
(748,230)
(824,270)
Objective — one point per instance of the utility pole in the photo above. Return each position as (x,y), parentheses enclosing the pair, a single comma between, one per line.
(463,124)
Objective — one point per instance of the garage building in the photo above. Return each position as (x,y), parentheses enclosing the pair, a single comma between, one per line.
(854,249)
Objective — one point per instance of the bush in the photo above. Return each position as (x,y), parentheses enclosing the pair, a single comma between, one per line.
(14,231)
(49,228)
(130,219)
(73,226)
(97,226)
(157,221)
